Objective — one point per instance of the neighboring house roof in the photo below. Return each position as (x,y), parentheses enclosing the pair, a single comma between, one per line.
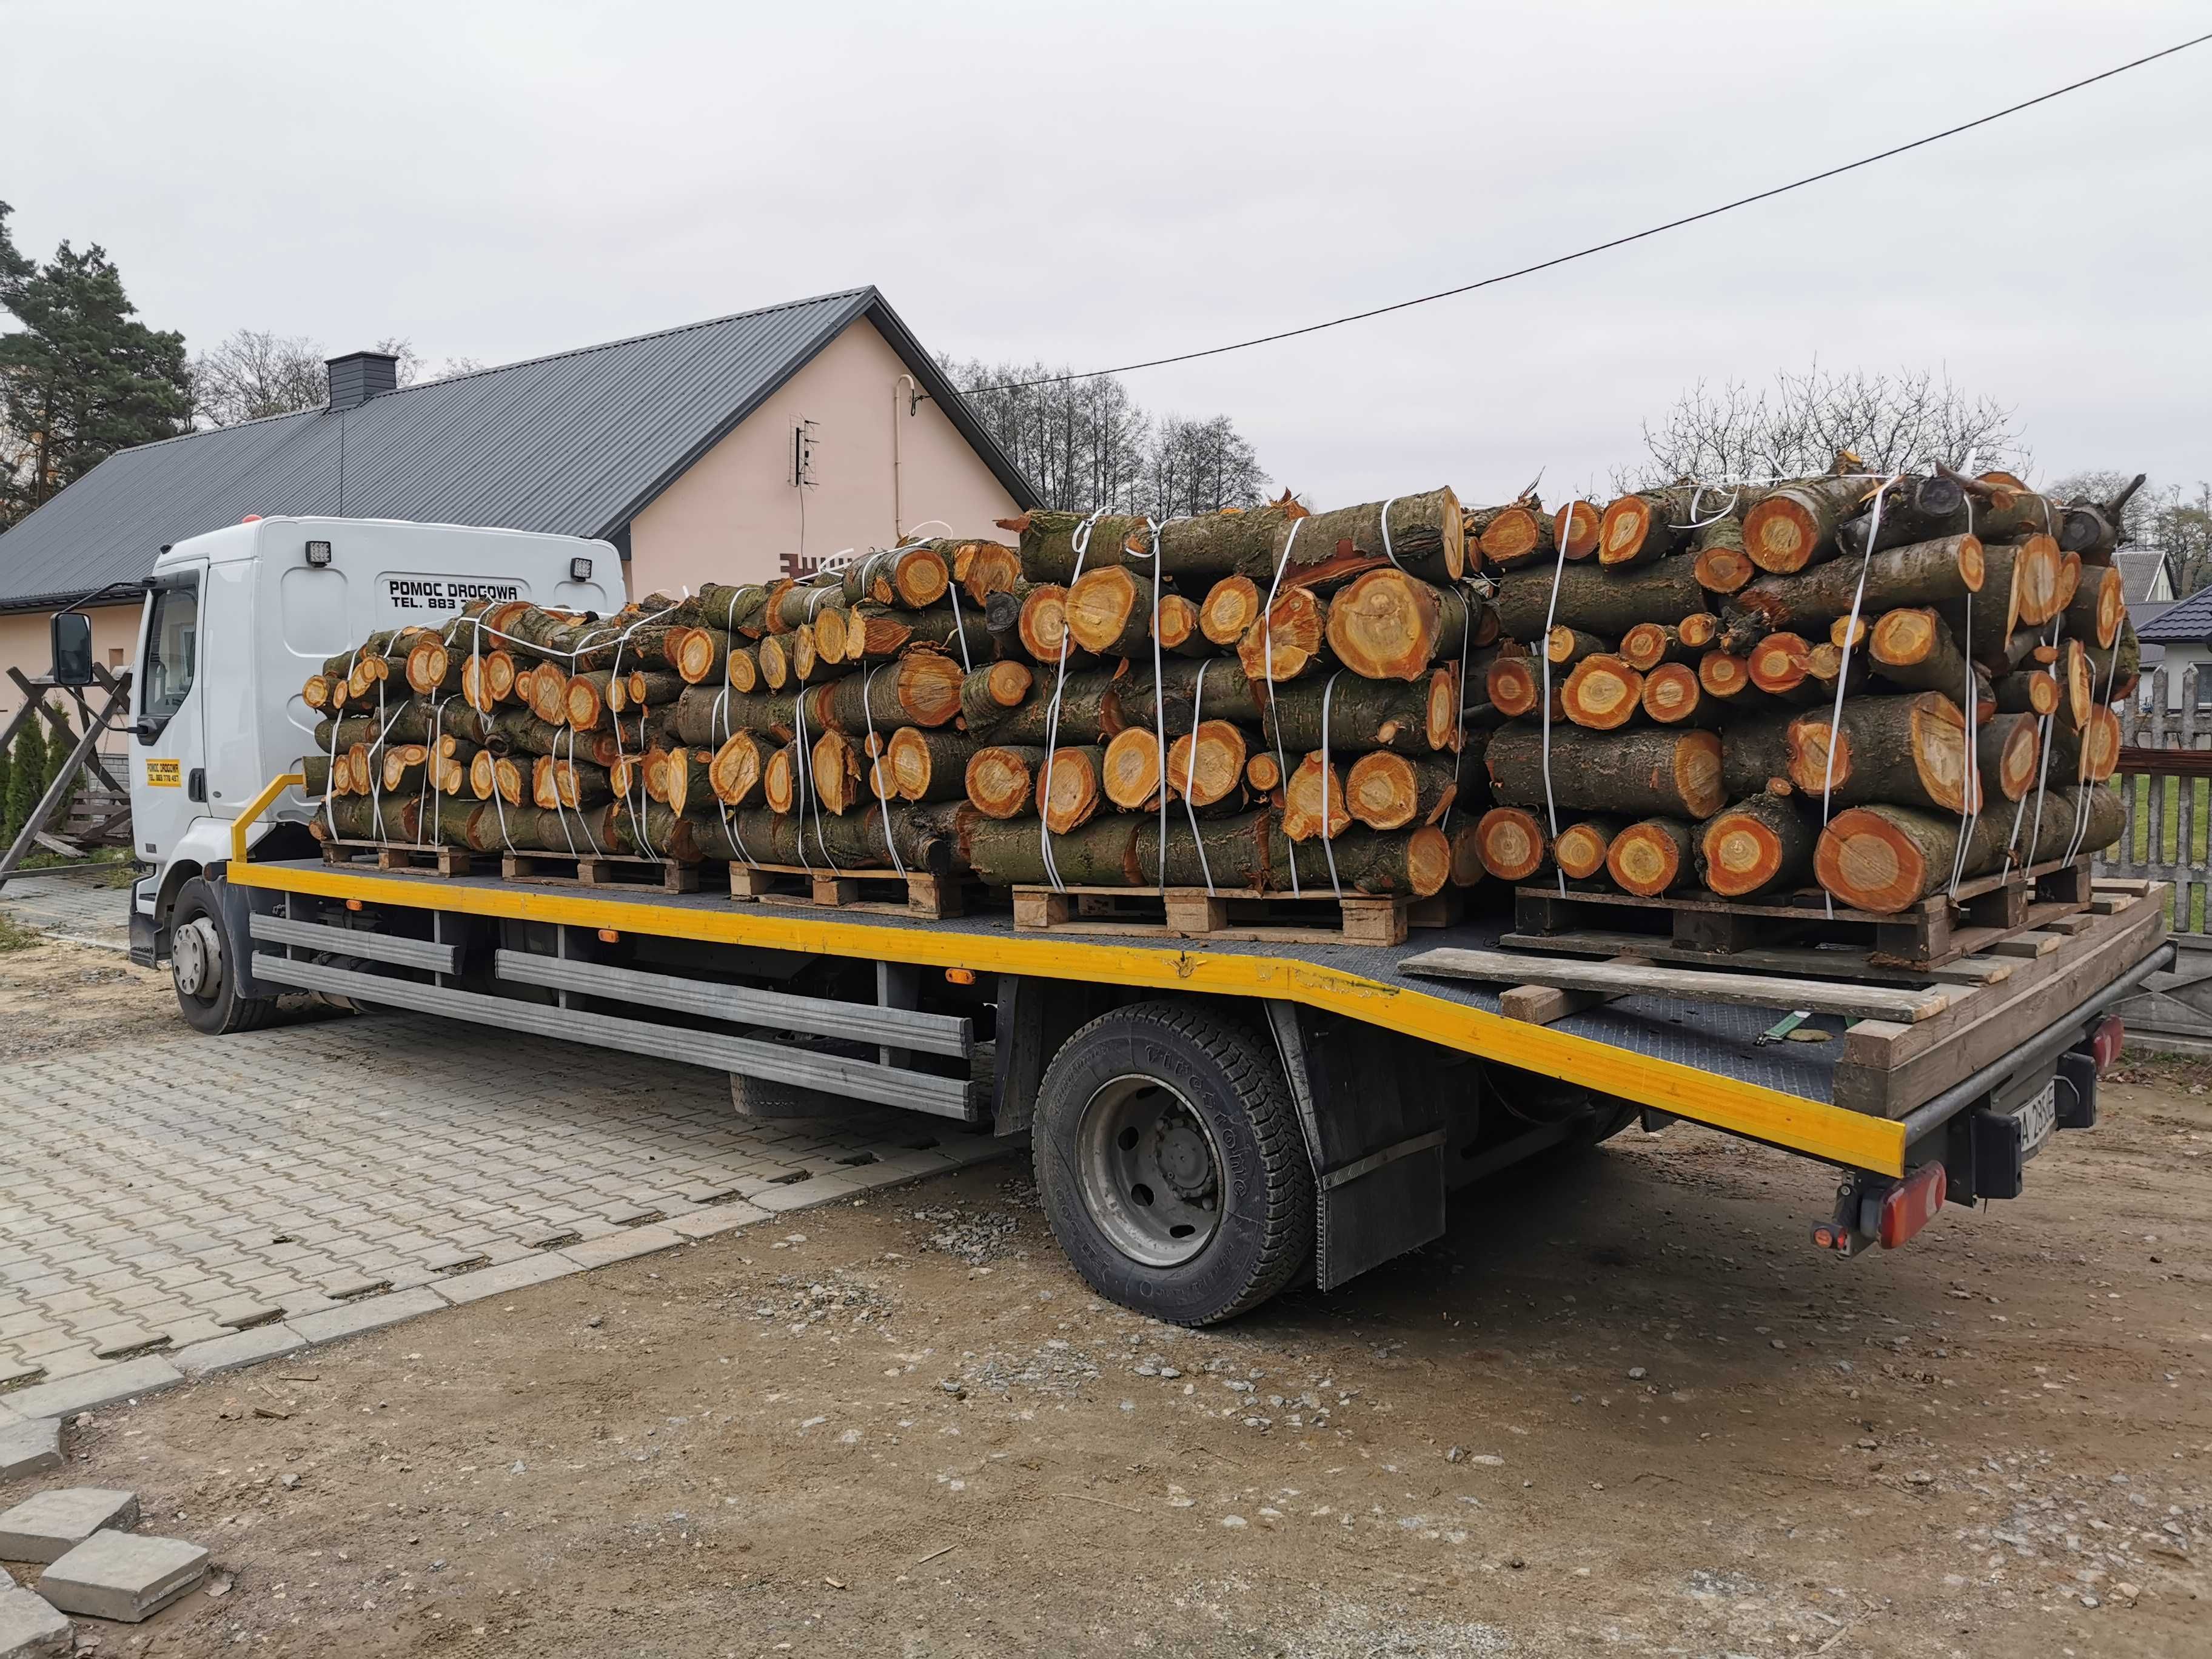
(2146,573)
(2144,613)
(577,443)
(2187,622)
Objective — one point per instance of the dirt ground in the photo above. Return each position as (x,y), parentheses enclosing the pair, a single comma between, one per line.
(1623,1406)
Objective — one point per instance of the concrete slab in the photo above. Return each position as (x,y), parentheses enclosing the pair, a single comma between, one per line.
(718,1218)
(370,1314)
(223,1353)
(89,1390)
(121,1575)
(622,1246)
(508,1276)
(48,1525)
(29,1627)
(29,1448)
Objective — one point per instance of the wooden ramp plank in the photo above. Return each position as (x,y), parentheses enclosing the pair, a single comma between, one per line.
(1904,1006)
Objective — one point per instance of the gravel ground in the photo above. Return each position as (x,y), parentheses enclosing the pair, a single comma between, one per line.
(1622,1406)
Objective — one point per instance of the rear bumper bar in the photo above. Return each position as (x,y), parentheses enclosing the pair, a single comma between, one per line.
(2041,1050)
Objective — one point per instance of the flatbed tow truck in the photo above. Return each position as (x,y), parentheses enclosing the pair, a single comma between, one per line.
(1214,1117)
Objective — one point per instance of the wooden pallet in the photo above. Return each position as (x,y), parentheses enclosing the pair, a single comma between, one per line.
(870,892)
(391,858)
(1192,913)
(599,869)
(1934,931)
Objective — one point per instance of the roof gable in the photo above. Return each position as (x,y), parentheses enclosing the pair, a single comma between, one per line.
(577,443)
(2188,622)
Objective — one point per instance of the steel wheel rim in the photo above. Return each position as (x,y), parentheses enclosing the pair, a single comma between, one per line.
(1150,1171)
(196,960)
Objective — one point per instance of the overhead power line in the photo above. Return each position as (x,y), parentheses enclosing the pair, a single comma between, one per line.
(1617,241)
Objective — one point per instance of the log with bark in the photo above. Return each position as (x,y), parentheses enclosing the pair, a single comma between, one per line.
(1289,638)
(1386,625)
(1761,845)
(1884,859)
(1796,527)
(1517,535)
(2010,752)
(1314,804)
(1909,751)
(982,569)
(930,765)
(1923,572)
(1646,646)
(1717,556)
(1385,790)
(1411,719)
(1604,602)
(1661,772)
(1072,784)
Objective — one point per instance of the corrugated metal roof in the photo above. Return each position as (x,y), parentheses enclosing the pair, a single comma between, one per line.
(576,443)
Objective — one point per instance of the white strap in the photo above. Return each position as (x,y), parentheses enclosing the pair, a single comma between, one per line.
(1191,776)
(1843,681)
(1328,841)
(875,775)
(1267,681)
(1080,542)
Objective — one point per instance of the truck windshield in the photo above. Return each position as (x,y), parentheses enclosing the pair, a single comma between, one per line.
(172,651)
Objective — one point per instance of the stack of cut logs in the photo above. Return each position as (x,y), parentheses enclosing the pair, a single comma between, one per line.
(1735,691)
(1644,696)
(1259,702)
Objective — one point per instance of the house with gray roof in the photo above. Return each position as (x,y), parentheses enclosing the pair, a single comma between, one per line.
(736,449)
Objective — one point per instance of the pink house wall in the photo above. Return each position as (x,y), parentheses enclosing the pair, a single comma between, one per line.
(736,516)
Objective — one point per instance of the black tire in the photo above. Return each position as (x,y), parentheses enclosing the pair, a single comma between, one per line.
(1232,1083)
(216,1008)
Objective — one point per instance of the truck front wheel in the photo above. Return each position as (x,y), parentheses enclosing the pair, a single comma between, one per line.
(203,957)
(1172,1169)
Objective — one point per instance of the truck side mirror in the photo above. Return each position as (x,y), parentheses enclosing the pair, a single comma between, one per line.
(72,632)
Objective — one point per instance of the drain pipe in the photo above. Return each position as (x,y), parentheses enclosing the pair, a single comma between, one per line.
(914,396)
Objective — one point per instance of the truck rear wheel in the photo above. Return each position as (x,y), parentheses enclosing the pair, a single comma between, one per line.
(203,958)
(1171,1164)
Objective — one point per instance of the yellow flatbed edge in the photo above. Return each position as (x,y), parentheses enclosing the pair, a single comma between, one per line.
(1790,1121)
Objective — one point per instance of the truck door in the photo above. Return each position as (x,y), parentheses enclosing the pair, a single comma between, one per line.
(169,773)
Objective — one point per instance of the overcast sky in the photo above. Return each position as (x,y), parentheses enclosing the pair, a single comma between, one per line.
(1090,185)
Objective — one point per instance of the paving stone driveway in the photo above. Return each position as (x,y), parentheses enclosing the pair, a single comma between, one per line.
(157,1195)
(77,905)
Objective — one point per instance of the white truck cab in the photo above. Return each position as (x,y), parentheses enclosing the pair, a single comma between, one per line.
(237,620)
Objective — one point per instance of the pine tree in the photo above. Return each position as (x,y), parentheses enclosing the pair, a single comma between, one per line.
(81,377)
(26,778)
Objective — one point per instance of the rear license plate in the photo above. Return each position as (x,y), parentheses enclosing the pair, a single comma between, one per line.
(2038,1116)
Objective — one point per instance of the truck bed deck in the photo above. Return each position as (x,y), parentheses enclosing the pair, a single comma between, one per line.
(1665,1046)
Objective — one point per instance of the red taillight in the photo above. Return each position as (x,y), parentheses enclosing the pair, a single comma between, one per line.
(1912,1205)
(2105,1043)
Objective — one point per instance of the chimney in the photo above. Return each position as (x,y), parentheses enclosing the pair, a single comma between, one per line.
(360,376)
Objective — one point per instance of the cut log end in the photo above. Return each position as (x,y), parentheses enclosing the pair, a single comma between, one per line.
(1314,806)
(998,780)
(1581,849)
(1651,857)
(1603,693)
(1575,529)
(1072,789)
(1623,531)
(1753,848)
(1230,607)
(1511,843)
(1872,860)
(1672,693)
(1132,768)
(1724,569)
(1209,765)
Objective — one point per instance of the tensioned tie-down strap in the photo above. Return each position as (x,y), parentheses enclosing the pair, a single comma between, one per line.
(1267,680)
(876,777)
(1191,776)
(1328,841)
(1544,694)
(1843,681)
(1159,706)
(1080,541)
(1970,796)
(1466,594)
(720,725)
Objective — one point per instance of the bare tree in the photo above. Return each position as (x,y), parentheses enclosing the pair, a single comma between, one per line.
(1907,421)
(1087,444)
(254,374)
(1202,467)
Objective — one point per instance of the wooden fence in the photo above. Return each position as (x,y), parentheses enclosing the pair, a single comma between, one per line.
(2166,783)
